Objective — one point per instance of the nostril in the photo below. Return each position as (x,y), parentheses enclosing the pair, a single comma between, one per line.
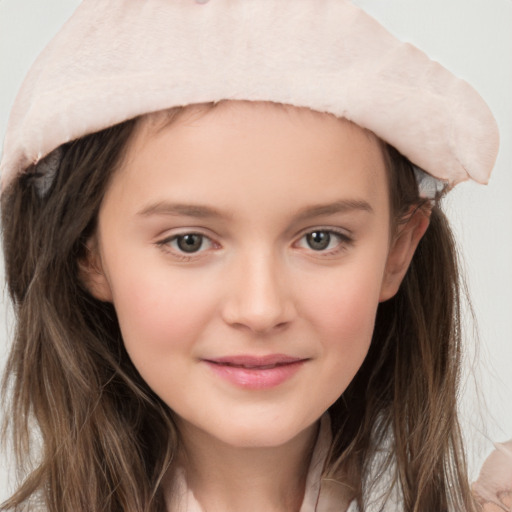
(201,1)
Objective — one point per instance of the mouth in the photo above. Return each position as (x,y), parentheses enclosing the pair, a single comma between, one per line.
(256,362)
(256,372)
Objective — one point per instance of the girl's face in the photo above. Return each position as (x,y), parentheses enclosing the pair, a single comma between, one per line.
(245,251)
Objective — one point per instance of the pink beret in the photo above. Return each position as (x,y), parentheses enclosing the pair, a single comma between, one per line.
(117,59)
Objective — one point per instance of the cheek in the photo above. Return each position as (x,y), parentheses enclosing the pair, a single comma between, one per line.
(344,313)
(160,314)
(346,299)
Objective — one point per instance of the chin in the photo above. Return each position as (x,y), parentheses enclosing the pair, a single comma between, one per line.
(267,434)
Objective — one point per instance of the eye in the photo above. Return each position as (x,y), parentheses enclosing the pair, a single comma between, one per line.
(318,240)
(188,243)
(323,240)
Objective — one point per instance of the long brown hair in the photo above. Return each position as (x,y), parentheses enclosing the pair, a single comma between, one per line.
(90,435)
(404,397)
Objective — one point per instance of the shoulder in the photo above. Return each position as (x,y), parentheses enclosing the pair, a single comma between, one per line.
(493,488)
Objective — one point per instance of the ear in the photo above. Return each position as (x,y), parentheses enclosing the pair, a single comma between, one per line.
(402,249)
(91,272)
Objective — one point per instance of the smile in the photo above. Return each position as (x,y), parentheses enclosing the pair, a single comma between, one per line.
(256,373)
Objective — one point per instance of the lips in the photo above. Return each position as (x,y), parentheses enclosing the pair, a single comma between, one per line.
(256,372)
(256,361)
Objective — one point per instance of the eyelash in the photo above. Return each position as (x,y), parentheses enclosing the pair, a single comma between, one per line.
(178,253)
(344,241)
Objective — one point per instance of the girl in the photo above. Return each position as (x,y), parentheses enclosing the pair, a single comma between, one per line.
(234,287)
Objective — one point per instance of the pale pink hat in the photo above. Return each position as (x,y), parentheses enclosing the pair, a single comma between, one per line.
(117,59)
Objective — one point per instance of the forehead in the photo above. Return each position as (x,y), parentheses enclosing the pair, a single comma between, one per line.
(238,150)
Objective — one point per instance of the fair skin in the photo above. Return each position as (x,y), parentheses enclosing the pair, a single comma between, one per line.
(245,251)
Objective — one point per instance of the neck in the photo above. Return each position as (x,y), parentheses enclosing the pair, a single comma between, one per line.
(228,478)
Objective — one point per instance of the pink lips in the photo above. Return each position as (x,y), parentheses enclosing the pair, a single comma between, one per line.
(252,372)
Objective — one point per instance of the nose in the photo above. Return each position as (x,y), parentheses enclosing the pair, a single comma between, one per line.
(259,298)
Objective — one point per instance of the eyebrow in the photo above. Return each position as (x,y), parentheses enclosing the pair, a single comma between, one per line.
(203,212)
(179,209)
(341,206)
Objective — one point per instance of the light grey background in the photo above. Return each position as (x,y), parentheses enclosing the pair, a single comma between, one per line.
(473,38)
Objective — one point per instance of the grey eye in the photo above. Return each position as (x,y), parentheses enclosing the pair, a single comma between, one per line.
(318,240)
(190,243)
